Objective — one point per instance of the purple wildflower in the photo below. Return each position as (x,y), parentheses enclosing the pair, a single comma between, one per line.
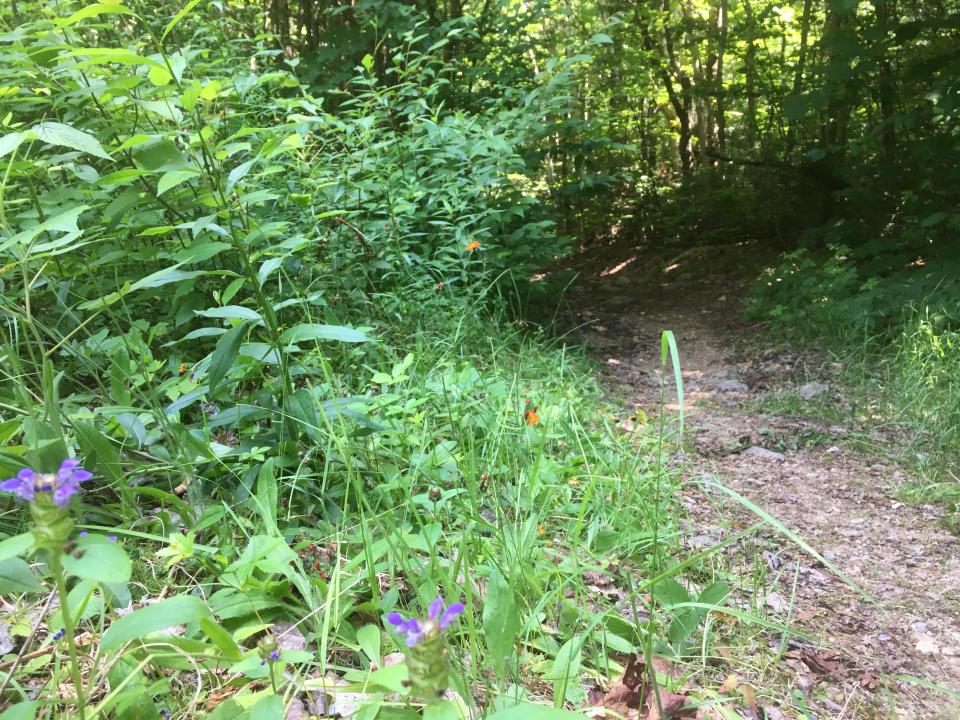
(275,655)
(58,635)
(112,538)
(212,409)
(439,618)
(64,484)
(83,533)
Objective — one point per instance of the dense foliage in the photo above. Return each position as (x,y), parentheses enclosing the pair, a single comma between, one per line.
(264,269)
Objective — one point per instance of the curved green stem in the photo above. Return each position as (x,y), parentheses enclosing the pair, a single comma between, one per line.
(68,631)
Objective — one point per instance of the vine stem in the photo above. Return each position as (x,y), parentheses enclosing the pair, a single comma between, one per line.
(68,629)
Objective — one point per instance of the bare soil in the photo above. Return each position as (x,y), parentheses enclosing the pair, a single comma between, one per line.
(891,651)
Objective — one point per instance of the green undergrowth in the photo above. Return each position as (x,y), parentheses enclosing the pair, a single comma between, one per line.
(898,369)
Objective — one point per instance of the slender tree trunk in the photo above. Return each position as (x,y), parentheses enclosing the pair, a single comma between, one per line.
(750,73)
(886,11)
(718,79)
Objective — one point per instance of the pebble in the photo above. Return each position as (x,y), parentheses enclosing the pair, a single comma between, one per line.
(732,386)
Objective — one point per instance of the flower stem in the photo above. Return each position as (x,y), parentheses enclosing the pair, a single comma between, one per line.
(273,677)
(68,630)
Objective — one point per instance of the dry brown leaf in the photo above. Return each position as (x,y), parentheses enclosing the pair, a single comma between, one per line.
(672,705)
(730,684)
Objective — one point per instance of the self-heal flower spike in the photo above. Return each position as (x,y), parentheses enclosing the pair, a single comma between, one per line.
(63,484)
(427,661)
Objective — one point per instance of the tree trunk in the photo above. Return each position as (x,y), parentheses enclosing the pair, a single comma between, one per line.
(750,74)
(718,78)
(887,90)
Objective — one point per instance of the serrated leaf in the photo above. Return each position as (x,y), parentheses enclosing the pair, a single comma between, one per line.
(313,331)
(10,142)
(153,618)
(56,133)
(224,355)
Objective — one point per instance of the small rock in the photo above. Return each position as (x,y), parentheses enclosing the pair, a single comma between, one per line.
(777,602)
(927,645)
(811,390)
(732,386)
(764,454)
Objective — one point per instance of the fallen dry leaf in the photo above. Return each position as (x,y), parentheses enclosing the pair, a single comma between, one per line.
(730,684)
(749,696)
(671,705)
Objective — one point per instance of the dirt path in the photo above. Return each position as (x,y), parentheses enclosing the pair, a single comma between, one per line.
(801,471)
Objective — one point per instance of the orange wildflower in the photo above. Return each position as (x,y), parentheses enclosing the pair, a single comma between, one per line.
(530,415)
(472,245)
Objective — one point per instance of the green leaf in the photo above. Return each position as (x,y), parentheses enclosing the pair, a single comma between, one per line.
(231,312)
(714,594)
(92,10)
(369,638)
(100,560)
(10,142)
(99,453)
(529,711)
(222,639)
(313,331)
(159,156)
(238,173)
(16,545)
(444,710)
(56,133)
(266,496)
(267,708)
(602,39)
(164,108)
(224,355)
(21,711)
(17,577)
(177,18)
(173,178)
(393,678)
(565,669)
(501,622)
(164,614)
(230,710)
(669,592)
(269,265)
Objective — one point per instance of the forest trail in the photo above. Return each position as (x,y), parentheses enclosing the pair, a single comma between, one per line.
(799,469)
